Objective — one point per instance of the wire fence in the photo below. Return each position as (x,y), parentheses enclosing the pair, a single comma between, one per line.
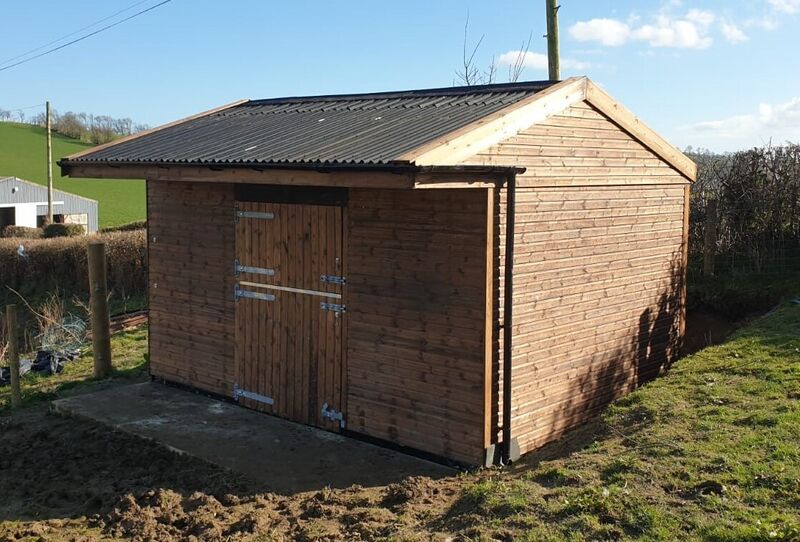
(745,211)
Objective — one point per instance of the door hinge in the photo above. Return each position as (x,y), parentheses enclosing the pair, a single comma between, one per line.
(238,213)
(332,279)
(338,309)
(238,293)
(253,396)
(239,268)
(332,414)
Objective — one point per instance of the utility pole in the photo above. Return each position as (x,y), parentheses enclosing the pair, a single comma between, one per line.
(49,169)
(553,62)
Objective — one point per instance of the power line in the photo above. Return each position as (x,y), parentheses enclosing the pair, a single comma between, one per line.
(78,31)
(24,108)
(89,35)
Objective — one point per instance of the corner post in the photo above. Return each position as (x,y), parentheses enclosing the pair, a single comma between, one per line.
(510,446)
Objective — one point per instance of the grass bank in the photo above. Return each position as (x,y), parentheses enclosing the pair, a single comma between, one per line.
(23,153)
(709,452)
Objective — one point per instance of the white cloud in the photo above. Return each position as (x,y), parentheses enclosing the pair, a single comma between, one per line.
(703,18)
(789,7)
(689,32)
(733,33)
(767,22)
(778,122)
(679,34)
(770,20)
(610,32)
(538,61)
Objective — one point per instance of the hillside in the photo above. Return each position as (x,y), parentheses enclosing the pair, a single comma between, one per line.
(23,153)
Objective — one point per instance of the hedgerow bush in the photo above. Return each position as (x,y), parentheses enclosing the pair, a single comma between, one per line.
(46,265)
(20,232)
(63,230)
(130,226)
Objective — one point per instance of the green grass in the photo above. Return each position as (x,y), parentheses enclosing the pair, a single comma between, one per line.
(129,349)
(23,153)
(709,452)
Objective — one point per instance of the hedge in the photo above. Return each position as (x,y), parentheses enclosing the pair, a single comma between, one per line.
(130,226)
(60,264)
(20,232)
(63,230)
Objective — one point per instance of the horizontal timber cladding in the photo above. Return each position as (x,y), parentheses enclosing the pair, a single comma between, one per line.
(597,270)
(416,313)
(191,244)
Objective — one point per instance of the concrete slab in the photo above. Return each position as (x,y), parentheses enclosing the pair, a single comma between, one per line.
(285,457)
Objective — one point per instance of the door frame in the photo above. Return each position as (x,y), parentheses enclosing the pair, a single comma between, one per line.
(318,196)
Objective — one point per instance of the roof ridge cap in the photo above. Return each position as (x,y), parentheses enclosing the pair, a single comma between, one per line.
(535,86)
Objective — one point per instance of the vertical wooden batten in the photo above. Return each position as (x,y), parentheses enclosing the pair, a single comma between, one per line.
(510,449)
(489,333)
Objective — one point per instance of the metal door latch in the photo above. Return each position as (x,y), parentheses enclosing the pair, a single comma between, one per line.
(334,415)
(338,309)
(332,279)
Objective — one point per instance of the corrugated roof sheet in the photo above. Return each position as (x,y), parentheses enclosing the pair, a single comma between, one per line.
(351,129)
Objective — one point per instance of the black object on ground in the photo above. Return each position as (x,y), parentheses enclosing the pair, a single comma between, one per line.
(46,363)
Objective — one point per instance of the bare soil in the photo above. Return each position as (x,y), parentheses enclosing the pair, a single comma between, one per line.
(63,479)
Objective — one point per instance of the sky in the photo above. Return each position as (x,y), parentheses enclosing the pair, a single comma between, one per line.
(721,75)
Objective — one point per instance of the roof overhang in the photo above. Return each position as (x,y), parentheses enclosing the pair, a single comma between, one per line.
(391,175)
(443,152)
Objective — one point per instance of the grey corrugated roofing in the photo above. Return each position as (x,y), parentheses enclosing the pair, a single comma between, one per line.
(354,129)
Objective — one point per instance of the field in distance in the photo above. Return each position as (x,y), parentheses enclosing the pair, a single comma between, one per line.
(23,153)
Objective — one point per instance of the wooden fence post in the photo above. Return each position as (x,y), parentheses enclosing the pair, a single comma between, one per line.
(13,354)
(710,238)
(98,303)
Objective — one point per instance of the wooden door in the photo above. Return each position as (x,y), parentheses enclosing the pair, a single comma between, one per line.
(289,311)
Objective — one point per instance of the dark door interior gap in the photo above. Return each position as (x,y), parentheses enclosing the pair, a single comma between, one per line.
(304,195)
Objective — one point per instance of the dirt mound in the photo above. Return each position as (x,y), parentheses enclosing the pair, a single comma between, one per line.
(83,482)
(412,490)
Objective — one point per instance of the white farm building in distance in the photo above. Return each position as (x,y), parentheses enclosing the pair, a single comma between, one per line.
(24,203)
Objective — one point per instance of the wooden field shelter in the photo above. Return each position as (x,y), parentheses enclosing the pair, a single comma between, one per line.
(468,272)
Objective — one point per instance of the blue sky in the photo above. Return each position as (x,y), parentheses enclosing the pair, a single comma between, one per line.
(717,74)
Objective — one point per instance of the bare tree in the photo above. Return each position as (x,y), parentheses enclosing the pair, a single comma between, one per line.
(470,74)
(515,70)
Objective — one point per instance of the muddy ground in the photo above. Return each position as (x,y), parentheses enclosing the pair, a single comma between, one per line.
(62,479)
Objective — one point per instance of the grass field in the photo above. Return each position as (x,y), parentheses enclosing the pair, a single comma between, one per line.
(23,153)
